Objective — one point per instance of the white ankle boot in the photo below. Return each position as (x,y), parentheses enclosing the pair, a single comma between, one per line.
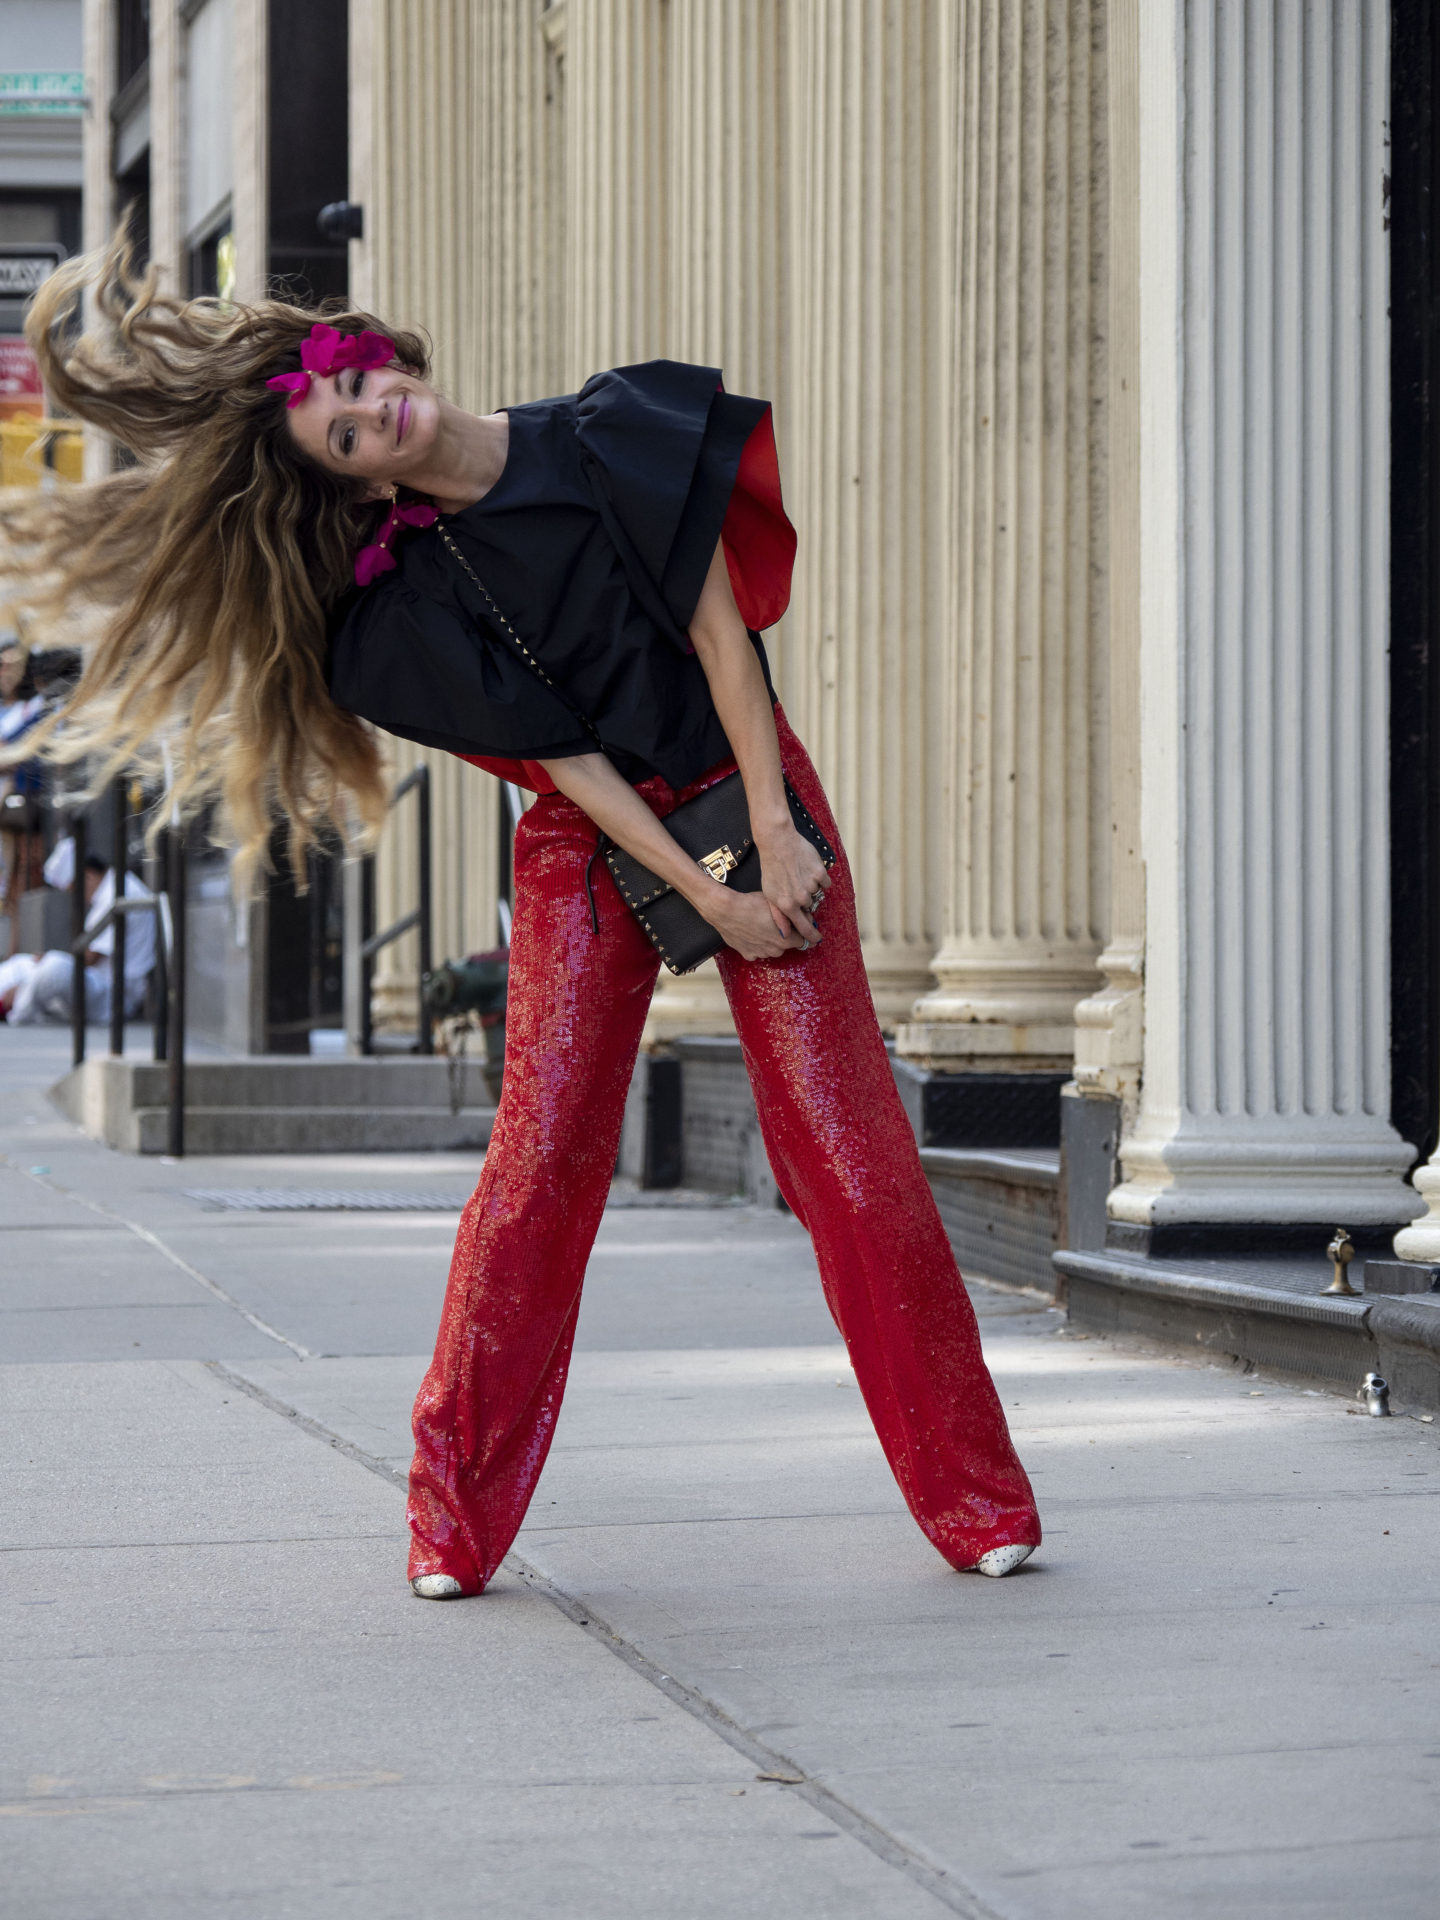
(436,1586)
(1001,1560)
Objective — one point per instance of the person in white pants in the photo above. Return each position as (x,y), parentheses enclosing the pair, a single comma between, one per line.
(39,986)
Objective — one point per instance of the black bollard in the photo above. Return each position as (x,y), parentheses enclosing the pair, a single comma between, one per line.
(77,942)
(118,853)
(175,983)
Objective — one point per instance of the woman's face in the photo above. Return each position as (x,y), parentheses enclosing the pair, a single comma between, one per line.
(12,672)
(377,426)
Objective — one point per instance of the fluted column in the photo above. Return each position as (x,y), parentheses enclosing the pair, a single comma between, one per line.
(727,294)
(98,199)
(415,269)
(871,142)
(97,19)
(1109,1024)
(1264,477)
(616,184)
(250,195)
(514,268)
(167,142)
(1024,701)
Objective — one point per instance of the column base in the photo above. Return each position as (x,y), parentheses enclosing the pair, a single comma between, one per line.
(1004,1005)
(956,1046)
(1109,1032)
(1283,1184)
(394,1003)
(895,981)
(1420,1241)
(688,1003)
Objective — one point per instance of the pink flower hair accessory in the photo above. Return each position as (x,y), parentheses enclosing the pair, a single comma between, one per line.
(372,561)
(329,351)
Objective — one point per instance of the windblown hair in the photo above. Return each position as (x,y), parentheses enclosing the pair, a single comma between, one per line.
(198,580)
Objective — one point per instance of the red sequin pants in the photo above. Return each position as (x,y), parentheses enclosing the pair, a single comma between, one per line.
(845,1159)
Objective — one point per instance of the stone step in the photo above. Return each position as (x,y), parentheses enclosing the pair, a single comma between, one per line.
(279,1105)
(1264,1312)
(288,1080)
(1001,1210)
(315,1129)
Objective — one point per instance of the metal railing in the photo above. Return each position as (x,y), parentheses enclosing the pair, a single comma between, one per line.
(166,900)
(419,918)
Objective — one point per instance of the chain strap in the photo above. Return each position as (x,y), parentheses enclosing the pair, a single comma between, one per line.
(525,653)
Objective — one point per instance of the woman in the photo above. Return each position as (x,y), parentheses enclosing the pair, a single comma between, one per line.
(591,567)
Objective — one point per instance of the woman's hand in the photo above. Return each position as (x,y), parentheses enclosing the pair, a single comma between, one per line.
(778,919)
(745,923)
(792,874)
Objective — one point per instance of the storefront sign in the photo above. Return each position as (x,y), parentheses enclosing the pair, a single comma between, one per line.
(42,93)
(22,271)
(21,388)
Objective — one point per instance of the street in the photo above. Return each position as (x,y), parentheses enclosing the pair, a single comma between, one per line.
(1214,1691)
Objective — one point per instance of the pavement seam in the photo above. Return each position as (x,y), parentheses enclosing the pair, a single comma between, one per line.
(934,1880)
(168,1253)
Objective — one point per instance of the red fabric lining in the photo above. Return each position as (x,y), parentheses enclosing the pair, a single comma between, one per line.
(759,540)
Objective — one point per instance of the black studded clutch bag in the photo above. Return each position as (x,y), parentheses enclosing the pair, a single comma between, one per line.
(714,829)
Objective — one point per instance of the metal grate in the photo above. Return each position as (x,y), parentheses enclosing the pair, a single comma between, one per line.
(322,1200)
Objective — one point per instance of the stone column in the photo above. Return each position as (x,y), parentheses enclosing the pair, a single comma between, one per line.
(1108,1024)
(167,143)
(428,95)
(1024,700)
(617,176)
(872,143)
(364,84)
(1264,477)
(98,208)
(250,205)
(727,292)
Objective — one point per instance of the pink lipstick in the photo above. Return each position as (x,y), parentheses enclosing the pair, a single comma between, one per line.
(402,419)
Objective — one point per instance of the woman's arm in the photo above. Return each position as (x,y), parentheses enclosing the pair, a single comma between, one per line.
(792,871)
(760,926)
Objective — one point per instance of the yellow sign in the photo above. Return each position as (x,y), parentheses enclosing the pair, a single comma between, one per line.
(34,451)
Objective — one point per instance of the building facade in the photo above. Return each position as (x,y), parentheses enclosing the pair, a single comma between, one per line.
(219,129)
(1078,342)
(1099,335)
(42,113)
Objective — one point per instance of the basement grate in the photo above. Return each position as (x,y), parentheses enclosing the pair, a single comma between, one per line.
(322,1200)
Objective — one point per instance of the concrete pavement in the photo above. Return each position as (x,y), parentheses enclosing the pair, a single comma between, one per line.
(1215,1690)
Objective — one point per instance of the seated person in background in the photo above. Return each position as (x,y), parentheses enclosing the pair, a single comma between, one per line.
(37,987)
(21,708)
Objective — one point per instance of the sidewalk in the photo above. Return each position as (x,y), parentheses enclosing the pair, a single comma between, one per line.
(1214,1691)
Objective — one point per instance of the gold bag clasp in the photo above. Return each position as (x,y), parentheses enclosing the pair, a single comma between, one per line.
(719,863)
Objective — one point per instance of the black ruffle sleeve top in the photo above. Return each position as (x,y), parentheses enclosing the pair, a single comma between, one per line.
(595,542)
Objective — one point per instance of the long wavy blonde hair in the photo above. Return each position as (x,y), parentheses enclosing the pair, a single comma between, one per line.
(199,580)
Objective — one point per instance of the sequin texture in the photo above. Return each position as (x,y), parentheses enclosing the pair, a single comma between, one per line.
(844,1156)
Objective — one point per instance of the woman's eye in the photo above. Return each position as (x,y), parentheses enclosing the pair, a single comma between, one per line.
(359,383)
(347,441)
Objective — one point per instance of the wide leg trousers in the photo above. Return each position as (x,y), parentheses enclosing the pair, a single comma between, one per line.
(844,1156)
